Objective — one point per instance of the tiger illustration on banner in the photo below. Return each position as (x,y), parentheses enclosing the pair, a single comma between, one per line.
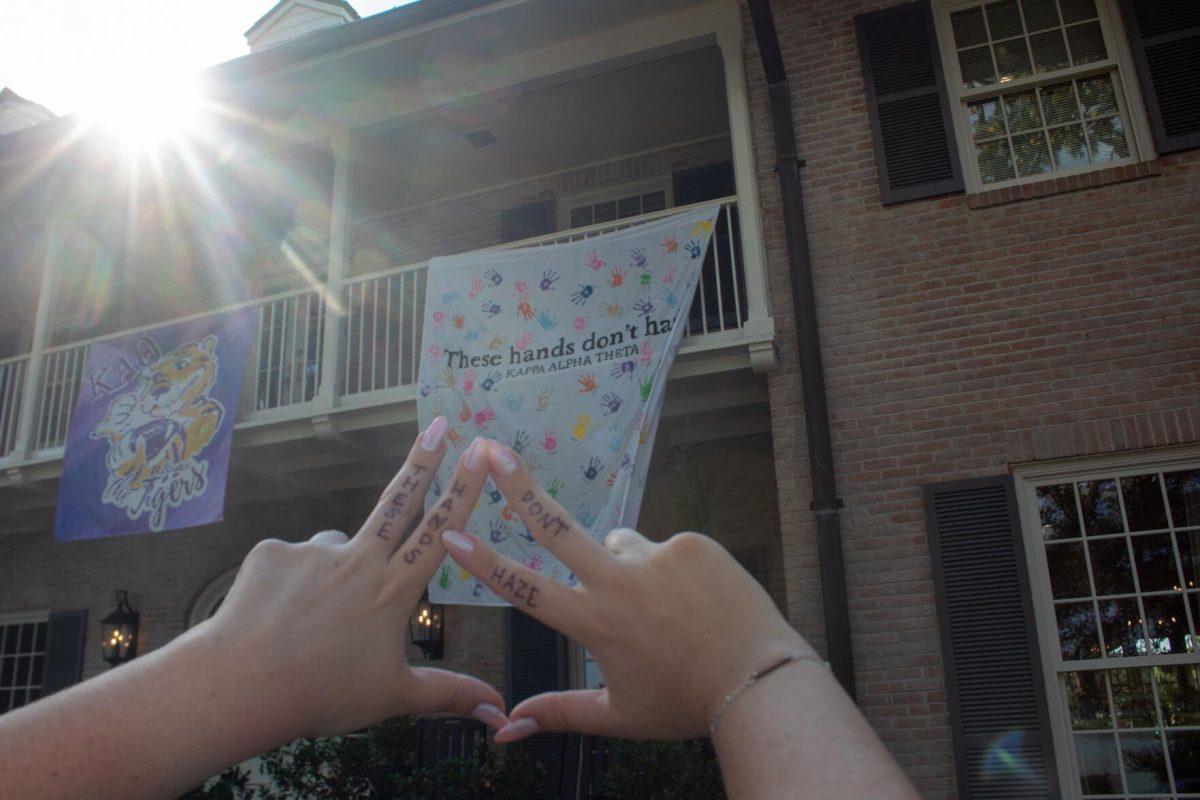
(156,433)
(149,439)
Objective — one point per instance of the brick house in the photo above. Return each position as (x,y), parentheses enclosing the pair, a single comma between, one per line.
(980,495)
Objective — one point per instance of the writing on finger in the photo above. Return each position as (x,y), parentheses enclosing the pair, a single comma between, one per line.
(401,502)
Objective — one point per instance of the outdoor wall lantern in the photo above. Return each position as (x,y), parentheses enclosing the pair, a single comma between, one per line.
(425,627)
(118,632)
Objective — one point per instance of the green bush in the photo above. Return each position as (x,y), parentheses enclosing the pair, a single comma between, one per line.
(675,770)
(374,764)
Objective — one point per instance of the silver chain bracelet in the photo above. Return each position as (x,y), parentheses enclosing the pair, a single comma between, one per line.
(754,678)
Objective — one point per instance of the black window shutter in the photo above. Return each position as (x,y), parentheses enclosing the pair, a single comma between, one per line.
(994,684)
(64,650)
(536,664)
(906,96)
(1165,38)
(527,221)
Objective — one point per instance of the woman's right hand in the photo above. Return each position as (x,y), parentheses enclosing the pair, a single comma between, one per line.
(674,627)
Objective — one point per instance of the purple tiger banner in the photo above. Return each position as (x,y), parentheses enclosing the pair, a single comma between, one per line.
(560,352)
(148,446)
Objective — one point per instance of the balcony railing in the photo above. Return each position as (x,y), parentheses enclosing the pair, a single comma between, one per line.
(378,318)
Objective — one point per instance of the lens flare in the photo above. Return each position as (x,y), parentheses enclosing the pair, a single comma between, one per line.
(1004,758)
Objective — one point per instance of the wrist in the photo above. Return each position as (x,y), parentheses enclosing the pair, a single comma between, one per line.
(238,691)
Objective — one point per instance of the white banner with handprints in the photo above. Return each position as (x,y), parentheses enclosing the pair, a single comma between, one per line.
(560,352)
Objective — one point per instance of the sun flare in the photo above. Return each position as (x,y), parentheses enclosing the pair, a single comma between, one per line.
(149,112)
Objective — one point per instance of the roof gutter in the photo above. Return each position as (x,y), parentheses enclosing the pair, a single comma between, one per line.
(825,502)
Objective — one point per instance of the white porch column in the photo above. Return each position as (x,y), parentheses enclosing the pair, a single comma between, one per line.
(27,420)
(758,323)
(344,145)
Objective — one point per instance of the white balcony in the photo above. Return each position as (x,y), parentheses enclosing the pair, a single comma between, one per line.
(377,325)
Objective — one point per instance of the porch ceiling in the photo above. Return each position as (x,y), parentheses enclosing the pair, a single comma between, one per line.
(594,119)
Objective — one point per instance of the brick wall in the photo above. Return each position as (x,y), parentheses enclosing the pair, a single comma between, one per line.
(956,341)
(736,478)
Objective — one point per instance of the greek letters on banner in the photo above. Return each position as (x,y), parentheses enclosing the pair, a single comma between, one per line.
(560,352)
(148,445)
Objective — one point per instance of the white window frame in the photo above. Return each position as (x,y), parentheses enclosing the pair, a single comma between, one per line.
(614,193)
(22,617)
(1119,64)
(1027,477)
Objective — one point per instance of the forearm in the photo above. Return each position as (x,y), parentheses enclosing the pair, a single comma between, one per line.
(151,728)
(796,734)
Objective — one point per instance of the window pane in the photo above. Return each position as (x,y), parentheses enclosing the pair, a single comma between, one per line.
(1039,14)
(604,212)
(1108,139)
(975,66)
(1179,693)
(1068,570)
(1143,503)
(629,207)
(1012,59)
(1155,559)
(1049,51)
(581,216)
(35,675)
(26,644)
(653,201)
(1076,10)
(8,672)
(1056,505)
(985,118)
(1133,696)
(1058,103)
(1122,628)
(1004,20)
(1077,631)
(1183,494)
(4,700)
(1145,767)
(1098,770)
(1097,96)
(1069,147)
(995,161)
(968,27)
(1184,747)
(23,670)
(39,641)
(1189,556)
(1032,156)
(1110,566)
(1101,508)
(1021,110)
(1088,700)
(9,633)
(1167,622)
(1087,43)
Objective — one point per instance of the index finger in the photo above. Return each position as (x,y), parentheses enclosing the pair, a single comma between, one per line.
(385,529)
(547,521)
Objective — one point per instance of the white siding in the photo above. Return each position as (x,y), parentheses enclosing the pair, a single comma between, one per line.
(296,20)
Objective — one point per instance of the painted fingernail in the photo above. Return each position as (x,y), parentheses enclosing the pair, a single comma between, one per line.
(502,460)
(488,714)
(517,729)
(472,459)
(432,439)
(458,543)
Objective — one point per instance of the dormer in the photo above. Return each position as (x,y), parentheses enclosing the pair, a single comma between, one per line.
(290,19)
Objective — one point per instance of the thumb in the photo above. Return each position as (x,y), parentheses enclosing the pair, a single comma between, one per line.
(588,711)
(440,691)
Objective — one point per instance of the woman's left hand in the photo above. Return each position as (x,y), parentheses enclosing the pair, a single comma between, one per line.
(320,626)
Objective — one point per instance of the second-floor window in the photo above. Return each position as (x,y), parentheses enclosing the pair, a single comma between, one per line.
(1039,88)
(619,203)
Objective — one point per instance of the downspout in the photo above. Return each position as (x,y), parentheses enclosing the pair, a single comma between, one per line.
(825,502)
